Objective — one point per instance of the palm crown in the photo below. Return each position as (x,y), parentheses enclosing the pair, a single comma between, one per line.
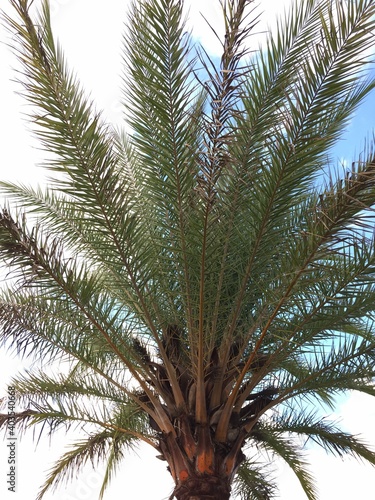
(208,274)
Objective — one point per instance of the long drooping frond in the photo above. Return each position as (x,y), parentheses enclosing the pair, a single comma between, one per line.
(203,276)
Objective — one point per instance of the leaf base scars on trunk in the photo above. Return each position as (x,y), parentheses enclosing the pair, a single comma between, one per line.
(201,468)
(203,488)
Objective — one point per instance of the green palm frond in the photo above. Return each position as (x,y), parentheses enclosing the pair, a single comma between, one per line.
(84,150)
(328,435)
(103,446)
(81,401)
(252,482)
(282,446)
(278,158)
(346,366)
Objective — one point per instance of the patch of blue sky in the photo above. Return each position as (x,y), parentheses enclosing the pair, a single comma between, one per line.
(359,133)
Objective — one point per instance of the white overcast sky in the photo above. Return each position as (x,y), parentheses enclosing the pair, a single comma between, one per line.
(90,32)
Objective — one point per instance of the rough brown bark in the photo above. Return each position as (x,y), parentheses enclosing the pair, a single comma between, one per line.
(201,468)
(203,488)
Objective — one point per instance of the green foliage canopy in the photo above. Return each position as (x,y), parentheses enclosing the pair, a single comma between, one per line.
(209,274)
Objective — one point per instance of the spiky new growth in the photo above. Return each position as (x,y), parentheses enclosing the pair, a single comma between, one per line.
(207,269)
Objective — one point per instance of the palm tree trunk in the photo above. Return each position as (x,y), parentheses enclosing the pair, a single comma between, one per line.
(201,470)
(203,488)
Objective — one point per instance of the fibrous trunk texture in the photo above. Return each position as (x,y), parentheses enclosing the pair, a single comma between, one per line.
(203,488)
(201,468)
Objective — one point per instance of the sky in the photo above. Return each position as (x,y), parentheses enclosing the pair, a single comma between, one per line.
(91,37)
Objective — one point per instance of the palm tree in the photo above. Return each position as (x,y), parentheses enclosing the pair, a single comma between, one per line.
(208,277)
